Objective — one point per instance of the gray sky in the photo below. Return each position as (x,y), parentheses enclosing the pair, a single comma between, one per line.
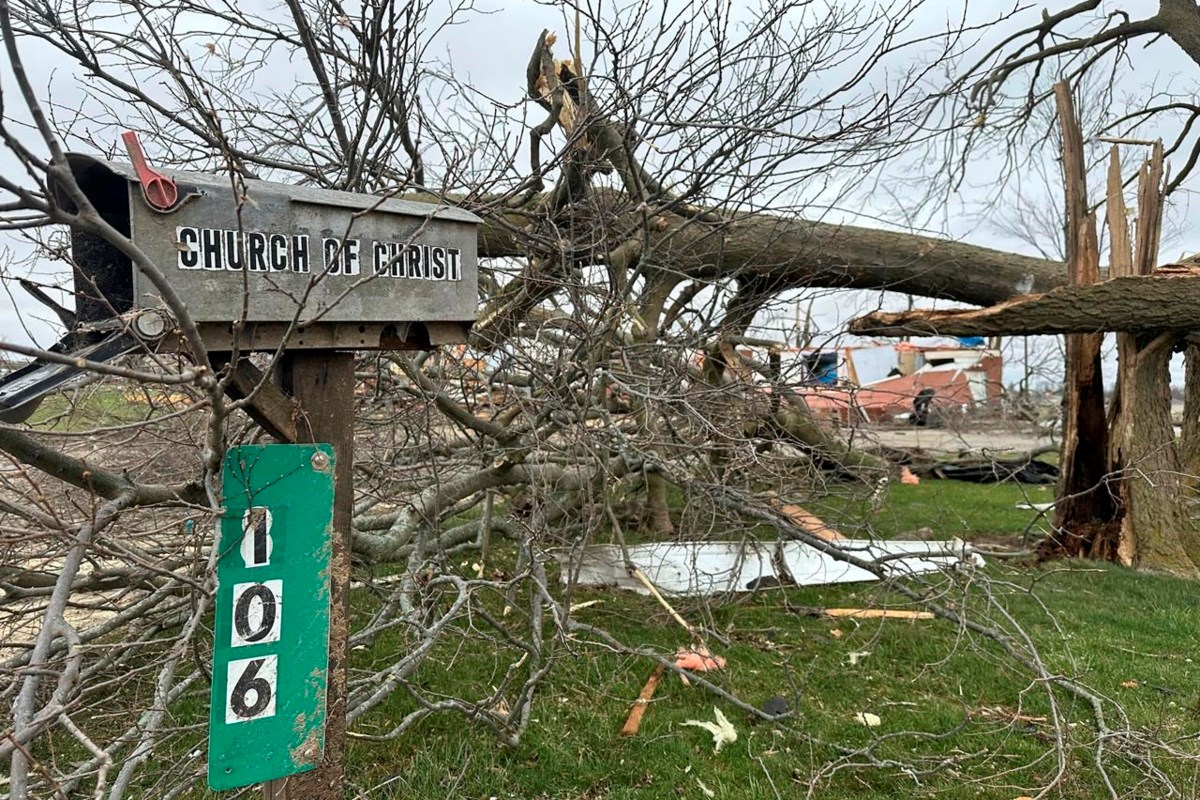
(489,51)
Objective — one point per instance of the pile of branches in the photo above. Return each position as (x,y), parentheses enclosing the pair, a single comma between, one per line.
(601,392)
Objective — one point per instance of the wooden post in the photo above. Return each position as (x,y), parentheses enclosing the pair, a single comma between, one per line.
(322,382)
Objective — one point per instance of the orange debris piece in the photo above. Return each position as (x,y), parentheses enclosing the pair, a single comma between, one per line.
(809,522)
(698,659)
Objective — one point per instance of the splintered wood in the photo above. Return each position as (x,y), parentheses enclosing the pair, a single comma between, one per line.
(1082,500)
(1168,299)
(634,722)
(809,522)
(876,613)
(1125,474)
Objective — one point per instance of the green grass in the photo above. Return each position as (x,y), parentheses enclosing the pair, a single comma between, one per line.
(918,677)
(1130,636)
(948,508)
(92,407)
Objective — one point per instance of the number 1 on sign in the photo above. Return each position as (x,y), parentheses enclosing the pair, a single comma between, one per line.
(256,537)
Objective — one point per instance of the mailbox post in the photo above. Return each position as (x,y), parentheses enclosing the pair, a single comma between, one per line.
(320,274)
(322,382)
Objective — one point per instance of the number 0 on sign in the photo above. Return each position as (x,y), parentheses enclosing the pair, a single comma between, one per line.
(271,654)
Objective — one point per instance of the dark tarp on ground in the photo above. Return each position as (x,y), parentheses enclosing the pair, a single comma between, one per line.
(994,472)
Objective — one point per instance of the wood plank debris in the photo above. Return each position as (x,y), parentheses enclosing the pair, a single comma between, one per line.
(809,522)
(634,722)
(877,613)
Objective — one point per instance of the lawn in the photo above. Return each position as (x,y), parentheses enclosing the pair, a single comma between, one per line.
(100,406)
(917,676)
(970,721)
(946,508)
(943,697)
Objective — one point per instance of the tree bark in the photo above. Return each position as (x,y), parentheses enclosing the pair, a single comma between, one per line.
(1189,442)
(1084,506)
(657,513)
(1180,20)
(1165,536)
(1118,542)
(790,253)
(1161,302)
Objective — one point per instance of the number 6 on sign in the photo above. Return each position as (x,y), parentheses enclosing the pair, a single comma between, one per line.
(251,689)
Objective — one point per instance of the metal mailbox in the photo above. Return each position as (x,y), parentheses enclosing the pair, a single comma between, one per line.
(319,268)
(349,271)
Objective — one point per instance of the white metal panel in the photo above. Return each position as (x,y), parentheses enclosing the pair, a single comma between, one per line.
(705,568)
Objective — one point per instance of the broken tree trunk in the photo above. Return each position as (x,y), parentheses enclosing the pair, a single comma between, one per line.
(1121,431)
(1156,530)
(1189,440)
(1161,535)
(1167,301)
(1131,509)
(1084,508)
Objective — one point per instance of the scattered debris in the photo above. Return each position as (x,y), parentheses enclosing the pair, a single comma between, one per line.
(698,659)
(809,522)
(722,731)
(877,613)
(639,706)
(776,706)
(908,478)
(1129,684)
(1009,715)
(1035,506)
(706,568)
(765,582)
(868,719)
(707,791)
(836,633)
(853,658)
(637,573)
(585,604)
(906,381)
(994,471)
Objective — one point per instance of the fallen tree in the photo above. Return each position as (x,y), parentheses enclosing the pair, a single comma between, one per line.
(1136,304)
(1122,496)
(597,395)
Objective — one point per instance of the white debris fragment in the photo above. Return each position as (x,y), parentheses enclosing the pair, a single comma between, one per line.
(854,658)
(722,730)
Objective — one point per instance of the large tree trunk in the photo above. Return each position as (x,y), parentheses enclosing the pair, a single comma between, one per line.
(1119,542)
(1189,443)
(656,516)
(789,253)
(1164,535)
(1084,507)
(1147,523)
(1166,301)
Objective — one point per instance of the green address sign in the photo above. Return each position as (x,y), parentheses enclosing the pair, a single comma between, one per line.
(271,654)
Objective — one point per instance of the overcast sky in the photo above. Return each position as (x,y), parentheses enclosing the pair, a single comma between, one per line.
(489,51)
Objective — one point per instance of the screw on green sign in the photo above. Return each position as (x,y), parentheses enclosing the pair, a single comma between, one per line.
(271,654)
